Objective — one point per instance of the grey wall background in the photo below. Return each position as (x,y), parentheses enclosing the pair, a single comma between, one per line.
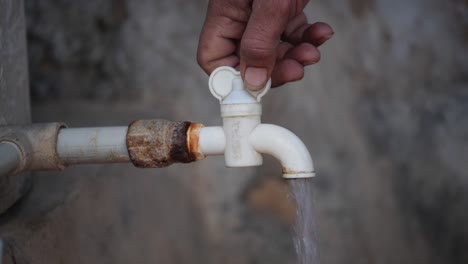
(14,88)
(384,115)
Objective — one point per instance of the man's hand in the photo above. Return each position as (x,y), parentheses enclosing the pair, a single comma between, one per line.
(261,38)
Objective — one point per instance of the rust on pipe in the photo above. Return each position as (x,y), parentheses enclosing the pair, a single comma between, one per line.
(193,140)
(159,143)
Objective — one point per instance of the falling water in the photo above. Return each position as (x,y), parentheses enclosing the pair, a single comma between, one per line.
(305,236)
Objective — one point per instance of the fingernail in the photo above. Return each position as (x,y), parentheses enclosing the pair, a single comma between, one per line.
(255,78)
(323,39)
(327,37)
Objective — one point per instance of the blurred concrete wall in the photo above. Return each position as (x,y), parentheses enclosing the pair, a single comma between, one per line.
(14,88)
(384,115)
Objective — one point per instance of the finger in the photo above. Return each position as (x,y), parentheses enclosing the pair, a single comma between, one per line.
(261,38)
(282,49)
(285,71)
(213,48)
(317,34)
(298,31)
(223,26)
(295,28)
(304,53)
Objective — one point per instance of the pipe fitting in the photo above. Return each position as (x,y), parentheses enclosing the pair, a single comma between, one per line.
(284,146)
(193,140)
(37,144)
(11,158)
(160,143)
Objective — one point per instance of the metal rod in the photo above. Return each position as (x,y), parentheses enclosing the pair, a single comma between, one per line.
(92,145)
(10,158)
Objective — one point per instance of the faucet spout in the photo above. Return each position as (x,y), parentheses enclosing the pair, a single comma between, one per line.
(284,146)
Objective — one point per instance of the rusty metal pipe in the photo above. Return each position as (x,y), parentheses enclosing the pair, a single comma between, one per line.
(159,143)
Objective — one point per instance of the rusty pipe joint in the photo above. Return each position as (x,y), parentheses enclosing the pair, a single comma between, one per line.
(159,143)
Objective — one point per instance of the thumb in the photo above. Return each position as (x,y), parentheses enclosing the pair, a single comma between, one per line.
(259,42)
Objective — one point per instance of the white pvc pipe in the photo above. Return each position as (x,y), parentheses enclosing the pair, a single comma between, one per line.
(284,146)
(212,141)
(10,158)
(92,145)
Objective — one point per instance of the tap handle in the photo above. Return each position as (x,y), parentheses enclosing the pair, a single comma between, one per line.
(223,79)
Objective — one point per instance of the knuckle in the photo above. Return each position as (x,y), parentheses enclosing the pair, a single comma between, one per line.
(233,9)
(282,7)
(257,49)
(202,59)
(274,8)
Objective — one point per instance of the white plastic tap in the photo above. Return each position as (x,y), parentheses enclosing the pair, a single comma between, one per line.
(243,138)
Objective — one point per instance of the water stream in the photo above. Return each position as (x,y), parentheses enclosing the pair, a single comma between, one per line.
(305,236)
